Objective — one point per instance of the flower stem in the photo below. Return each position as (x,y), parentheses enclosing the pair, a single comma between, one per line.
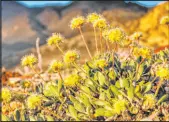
(60,76)
(107,45)
(97,50)
(101,40)
(60,49)
(37,73)
(80,30)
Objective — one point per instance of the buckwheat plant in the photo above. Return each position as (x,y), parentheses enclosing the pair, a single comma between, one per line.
(104,88)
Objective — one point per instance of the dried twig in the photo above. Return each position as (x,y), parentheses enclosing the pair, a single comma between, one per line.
(39,55)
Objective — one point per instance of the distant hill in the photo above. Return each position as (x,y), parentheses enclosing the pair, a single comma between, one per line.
(24,25)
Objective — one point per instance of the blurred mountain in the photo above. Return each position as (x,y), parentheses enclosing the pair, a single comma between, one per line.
(21,26)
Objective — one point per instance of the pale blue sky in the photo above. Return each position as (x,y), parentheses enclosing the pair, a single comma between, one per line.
(44,3)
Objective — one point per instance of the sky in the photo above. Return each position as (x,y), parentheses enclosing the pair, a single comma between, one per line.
(44,3)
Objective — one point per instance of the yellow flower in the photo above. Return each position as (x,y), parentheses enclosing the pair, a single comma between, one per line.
(77,22)
(116,35)
(71,56)
(144,52)
(29,60)
(26,84)
(101,63)
(136,52)
(100,23)
(72,80)
(127,41)
(149,102)
(93,17)
(6,95)
(136,36)
(56,66)
(34,101)
(119,106)
(165,20)
(163,72)
(55,39)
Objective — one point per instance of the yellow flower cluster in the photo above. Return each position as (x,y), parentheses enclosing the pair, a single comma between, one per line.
(6,95)
(77,22)
(72,80)
(165,20)
(55,39)
(144,52)
(116,35)
(119,106)
(149,102)
(93,17)
(136,36)
(34,101)
(56,66)
(100,23)
(29,60)
(101,63)
(163,72)
(71,56)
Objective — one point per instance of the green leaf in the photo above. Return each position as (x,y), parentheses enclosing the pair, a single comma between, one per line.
(100,112)
(163,98)
(108,93)
(73,112)
(100,78)
(140,72)
(32,118)
(114,90)
(101,103)
(109,113)
(17,115)
(59,85)
(73,99)
(51,90)
(39,118)
(85,89)
(79,107)
(148,86)
(5,118)
(49,118)
(137,89)
(85,100)
(130,92)
(112,75)
(124,83)
(141,83)
(102,96)
(138,94)
(90,84)
(117,84)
